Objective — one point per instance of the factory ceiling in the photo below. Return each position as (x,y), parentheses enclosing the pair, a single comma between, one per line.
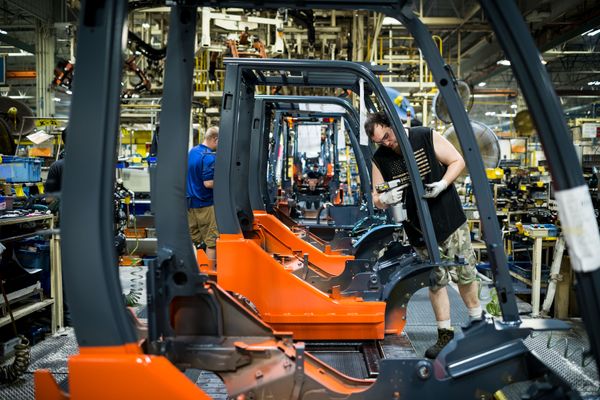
(565,31)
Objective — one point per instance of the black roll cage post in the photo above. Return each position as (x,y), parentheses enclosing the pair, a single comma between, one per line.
(362,153)
(102,320)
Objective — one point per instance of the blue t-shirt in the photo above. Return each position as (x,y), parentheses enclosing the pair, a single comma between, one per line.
(201,167)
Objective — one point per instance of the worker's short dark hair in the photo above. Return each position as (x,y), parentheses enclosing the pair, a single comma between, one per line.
(378,118)
(63,135)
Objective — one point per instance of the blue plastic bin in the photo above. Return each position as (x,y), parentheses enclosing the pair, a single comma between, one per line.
(35,253)
(20,169)
(524,270)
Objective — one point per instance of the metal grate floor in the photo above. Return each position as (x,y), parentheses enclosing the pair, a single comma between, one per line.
(50,354)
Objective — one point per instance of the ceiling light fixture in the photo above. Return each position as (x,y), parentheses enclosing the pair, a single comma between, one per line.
(2,31)
(481,84)
(592,32)
(391,21)
(146,25)
(593,83)
(503,62)
(513,106)
(21,53)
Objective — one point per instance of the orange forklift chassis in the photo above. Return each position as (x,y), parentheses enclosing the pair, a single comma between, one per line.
(285,301)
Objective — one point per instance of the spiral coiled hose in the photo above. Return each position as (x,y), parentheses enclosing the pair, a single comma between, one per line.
(11,373)
(136,287)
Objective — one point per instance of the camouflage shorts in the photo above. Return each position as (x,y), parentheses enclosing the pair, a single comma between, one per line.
(458,243)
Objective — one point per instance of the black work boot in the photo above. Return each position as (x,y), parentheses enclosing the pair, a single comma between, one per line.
(444,336)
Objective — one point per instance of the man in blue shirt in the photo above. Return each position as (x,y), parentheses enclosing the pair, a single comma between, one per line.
(199,192)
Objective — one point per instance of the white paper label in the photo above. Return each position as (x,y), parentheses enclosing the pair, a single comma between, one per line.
(579,228)
(362,109)
(39,137)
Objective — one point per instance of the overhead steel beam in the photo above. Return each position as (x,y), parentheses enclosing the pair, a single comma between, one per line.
(39,9)
(13,41)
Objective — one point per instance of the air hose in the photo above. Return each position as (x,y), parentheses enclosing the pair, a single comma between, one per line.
(11,373)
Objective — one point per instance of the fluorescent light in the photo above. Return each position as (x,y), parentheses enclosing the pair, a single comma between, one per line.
(2,31)
(593,33)
(391,21)
(21,53)
(56,99)
(481,84)
(593,83)
(146,25)
(503,62)
(513,106)
(544,61)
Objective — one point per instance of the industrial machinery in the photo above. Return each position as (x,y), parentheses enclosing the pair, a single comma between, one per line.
(194,323)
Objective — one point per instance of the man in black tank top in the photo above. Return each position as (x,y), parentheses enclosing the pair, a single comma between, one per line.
(439,165)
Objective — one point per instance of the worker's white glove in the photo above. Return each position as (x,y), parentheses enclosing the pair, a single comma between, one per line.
(391,197)
(434,189)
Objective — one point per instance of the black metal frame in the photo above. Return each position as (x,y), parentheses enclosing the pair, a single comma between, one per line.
(89,259)
(241,77)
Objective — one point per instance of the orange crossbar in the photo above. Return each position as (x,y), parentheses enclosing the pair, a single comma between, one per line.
(288,303)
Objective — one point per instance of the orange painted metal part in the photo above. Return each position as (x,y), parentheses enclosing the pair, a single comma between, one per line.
(288,303)
(395,321)
(120,372)
(281,240)
(21,74)
(205,264)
